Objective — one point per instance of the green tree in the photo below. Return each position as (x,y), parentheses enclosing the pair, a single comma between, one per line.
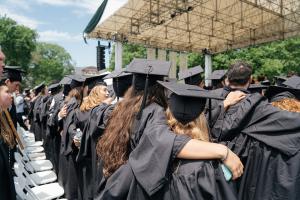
(49,62)
(17,42)
(130,51)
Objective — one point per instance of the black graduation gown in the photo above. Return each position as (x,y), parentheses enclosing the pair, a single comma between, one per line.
(44,112)
(89,165)
(53,130)
(68,152)
(154,147)
(13,114)
(267,141)
(7,187)
(36,123)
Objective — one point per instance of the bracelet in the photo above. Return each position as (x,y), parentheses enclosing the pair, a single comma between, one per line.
(227,152)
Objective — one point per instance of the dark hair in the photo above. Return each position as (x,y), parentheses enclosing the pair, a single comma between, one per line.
(239,73)
(114,146)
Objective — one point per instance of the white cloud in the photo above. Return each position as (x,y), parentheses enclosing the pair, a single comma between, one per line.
(19,4)
(56,36)
(21,19)
(89,6)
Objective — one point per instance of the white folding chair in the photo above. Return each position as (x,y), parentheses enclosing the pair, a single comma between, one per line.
(36,165)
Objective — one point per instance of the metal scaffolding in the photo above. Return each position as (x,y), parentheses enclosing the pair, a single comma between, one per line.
(193,25)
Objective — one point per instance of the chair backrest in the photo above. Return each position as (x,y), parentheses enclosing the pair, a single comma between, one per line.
(20,184)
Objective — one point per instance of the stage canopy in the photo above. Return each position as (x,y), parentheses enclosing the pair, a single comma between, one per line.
(193,25)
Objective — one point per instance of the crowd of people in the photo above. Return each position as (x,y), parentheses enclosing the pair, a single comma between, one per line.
(147,136)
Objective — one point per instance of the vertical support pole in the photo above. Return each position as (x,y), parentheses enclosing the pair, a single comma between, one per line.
(161,54)
(118,55)
(151,53)
(173,59)
(208,68)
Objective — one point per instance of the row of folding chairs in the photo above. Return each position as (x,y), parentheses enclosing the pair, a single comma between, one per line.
(35,179)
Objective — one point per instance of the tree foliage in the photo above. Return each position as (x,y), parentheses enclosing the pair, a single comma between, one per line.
(50,62)
(17,42)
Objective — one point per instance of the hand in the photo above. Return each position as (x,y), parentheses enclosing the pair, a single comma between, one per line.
(63,112)
(233,162)
(77,143)
(233,98)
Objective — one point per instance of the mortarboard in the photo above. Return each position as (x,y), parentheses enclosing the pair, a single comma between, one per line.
(92,81)
(191,76)
(292,82)
(275,93)
(121,81)
(280,79)
(76,80)
(186,102)
(37,89)
(217,74)
(146,73)
(257,88)
(13,73)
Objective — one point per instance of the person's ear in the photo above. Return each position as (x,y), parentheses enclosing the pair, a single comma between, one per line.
(7,81)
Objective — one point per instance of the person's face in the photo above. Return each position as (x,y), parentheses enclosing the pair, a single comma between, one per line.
(5,97)
(85,91)
(12,85)
(104,91)
(2,61)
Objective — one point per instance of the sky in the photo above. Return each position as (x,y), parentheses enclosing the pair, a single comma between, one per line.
(61,22)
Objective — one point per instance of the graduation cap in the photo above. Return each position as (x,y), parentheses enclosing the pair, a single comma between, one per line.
(146,73)
(217,74)
(37,89)
(54,87)
(13,73)
(191,76)
(92,81)
(65,81)
(280,79)
(293,82)
(266,82)
(257,88)
(187,102)
(76,80)
(276,93)
(122,80)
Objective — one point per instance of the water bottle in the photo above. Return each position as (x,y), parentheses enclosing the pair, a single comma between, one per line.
(78,135)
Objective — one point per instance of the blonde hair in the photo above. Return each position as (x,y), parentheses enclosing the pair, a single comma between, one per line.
(288,104)
(196,129)
(95,98)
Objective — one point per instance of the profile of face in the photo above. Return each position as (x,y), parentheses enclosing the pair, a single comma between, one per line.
(2,60)
(12,85)
(5,97)
(104,91)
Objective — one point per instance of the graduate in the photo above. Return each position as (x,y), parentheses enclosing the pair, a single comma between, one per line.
(36,124)
(67,176)
(266,139)
(7,146)
(204,178)
(54,125)
(12,78)
(191,76)
(97,95)
(137,153)
(218,78)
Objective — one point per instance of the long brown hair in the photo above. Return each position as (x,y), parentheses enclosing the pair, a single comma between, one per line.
(196,129)
(75,92)
(114,146)
(288,104)
(95,98)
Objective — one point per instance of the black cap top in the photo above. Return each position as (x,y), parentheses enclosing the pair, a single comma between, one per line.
(293,82)
(92,81)
(266,82)
(187,101)
(13,73)
(187,73)
(253,88)
(117,74)
(280,79)
(76,80)
(54,87)
(217,74)
(275,93)
(151,67)
(65,81)
(37,89)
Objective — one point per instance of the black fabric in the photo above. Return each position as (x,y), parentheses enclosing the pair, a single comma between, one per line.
(193,80)
(267,140)
(140,81)
(281,96)
(186,109)
(89,164)
(121,85)
(13,114)
(7,187)
(36,123)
